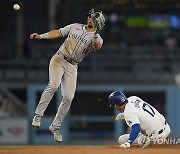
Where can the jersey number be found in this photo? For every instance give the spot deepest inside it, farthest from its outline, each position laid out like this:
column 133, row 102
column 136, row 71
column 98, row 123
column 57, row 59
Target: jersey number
column 146, row 107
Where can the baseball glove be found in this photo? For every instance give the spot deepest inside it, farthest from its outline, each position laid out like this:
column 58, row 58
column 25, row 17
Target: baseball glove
column 98, row 20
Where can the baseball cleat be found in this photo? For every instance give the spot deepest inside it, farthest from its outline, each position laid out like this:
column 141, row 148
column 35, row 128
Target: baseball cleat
column 55, row 131
column 36, row 121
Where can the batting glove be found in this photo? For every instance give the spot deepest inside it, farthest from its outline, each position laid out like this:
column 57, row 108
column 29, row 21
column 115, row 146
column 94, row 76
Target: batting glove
column 143, row 141
column 125, row 145
column 119, row 117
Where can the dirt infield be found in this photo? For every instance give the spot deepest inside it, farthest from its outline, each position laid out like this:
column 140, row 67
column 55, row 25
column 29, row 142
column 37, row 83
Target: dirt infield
column 160, row 149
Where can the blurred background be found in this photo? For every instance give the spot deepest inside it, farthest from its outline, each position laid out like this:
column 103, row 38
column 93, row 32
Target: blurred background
column 140, row 56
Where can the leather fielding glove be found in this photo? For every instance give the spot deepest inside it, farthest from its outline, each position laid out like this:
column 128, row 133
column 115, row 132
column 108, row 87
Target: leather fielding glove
column 98, row 21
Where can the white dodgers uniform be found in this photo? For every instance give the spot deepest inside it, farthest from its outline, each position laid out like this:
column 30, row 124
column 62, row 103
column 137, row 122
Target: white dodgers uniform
column 152, row 123
column 63, row 68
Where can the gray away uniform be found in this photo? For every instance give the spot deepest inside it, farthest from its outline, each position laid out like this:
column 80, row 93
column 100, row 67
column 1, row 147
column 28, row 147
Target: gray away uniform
column 63, row 68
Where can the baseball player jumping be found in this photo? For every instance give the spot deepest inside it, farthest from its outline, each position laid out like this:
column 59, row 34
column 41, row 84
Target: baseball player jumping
column 80, row 41
column 146, row 123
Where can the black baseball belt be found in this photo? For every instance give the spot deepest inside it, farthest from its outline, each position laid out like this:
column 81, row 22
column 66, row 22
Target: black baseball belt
column 69, row 60
column 163, row 128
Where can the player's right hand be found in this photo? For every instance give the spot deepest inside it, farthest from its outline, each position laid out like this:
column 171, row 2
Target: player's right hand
column 119, row 117
column 35, row 36
column 143, row 141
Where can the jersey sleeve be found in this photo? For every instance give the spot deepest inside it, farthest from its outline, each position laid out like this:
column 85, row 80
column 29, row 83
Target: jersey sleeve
column 131, row 118
column 65, row 30
column 100, row 39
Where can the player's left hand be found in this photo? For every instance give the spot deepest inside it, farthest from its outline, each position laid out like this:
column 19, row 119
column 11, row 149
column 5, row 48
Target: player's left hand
column 125, row 145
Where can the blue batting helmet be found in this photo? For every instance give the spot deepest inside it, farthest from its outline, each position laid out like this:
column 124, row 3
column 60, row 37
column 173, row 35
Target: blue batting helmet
column 118, row 98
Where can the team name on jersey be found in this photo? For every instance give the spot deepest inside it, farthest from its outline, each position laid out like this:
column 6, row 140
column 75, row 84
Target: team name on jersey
column 78, row 37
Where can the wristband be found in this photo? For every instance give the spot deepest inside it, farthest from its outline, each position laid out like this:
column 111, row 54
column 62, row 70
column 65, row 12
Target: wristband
column 44, row 36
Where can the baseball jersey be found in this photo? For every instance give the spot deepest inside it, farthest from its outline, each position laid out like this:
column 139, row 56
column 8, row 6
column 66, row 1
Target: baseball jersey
column 138, row 111
column 78, row 43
